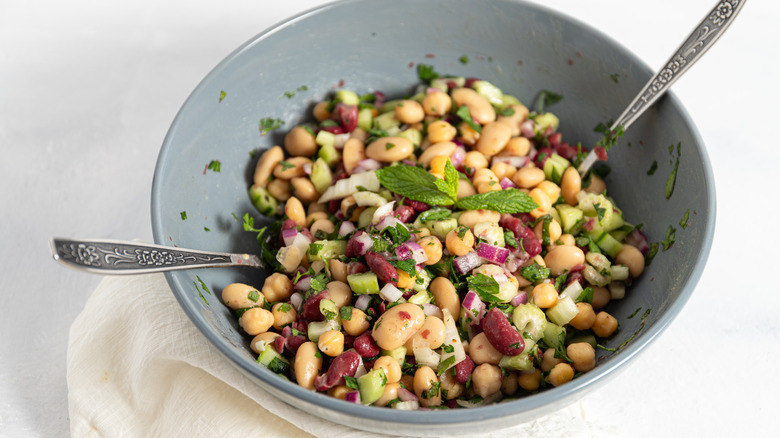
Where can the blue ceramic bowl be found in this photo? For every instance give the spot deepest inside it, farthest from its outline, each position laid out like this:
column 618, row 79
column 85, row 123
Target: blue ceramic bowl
column 367, row 45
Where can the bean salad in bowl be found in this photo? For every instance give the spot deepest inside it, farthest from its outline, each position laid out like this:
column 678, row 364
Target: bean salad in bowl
column 438, row 250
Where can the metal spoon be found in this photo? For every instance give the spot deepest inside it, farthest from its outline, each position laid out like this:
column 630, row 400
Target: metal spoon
column 701, row 39
column 123, row 257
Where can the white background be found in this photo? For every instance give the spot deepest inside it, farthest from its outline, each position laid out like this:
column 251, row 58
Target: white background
column 89, row 88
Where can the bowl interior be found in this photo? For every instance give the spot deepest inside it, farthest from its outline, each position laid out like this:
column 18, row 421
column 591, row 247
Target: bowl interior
column 368, row 45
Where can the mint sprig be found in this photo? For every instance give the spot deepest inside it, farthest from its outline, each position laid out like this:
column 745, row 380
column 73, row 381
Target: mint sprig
column 414, row 183
column 503, row 201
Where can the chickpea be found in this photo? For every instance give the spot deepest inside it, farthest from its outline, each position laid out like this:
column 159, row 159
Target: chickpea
column 516, row 147
column 290, row 168
column 317, row 207
column 549, row 360
column 267, row 338
column 480, row 109
column 256, row 320
column 604, row 325
column 542, row 200
column 279, row 189
column 307, row 365
column 440, row 149
column 475, row 160
column 582, row 355
column 409, row 111
column 633, row 258
column 468, row 135
column 528, row 177
column 451, row 388
column 338, row 270
column 407, row 382
column 284, row 314
column 299, row 142
column 509, row 384
column 503, row 170
column 471, row 218
column 339, row 292
column 265, row 165
column 584, row 318
column 437, row 103
column 424, row 380
column 440, row 131
column 486, row 380
column 518, row 116
column 391, row 367
column 445, row 295
column 321, row 112
column 431, row 245
column 324, row 225
column 304, row 190
column 494, row 138
column 560, row 374
column 389, row 149
column 277, row 287
column 353, row 152
column 553, row 230
column 316, row 216
column 465, row 188
column 356, row 324
column 545, row 295
column 339, row 391
column 460, row 241
column 431, row 332
column 331, row 343
column 240, row 296
column 294, row 210
column 482, row 176
column 530, row 381
column 571, row 184
column 552, row 189
column 601, row 297
column 567, row 239
column 397, row 325
column 390, row 393
column 482, row 351
column 596, row 185
column 563, row 258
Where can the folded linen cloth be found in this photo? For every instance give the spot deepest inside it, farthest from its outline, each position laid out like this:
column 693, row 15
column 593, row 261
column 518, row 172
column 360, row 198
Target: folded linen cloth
column 138, row 367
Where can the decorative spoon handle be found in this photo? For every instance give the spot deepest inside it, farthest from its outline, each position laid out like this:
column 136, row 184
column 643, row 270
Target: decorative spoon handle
column 122, row 257
column 697, row 43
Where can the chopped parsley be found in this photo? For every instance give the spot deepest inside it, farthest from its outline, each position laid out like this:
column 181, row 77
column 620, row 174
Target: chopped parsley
column 509, row 239
column 669, row 239
column 345, row 313
column 286, row 165
column 183, row 215
column 609, row 137
column 214, row 165
column 506, row 112
column 684, row 220
column 653, row 167
column 253, row 295
column 545, row 99
column 268, row 124
column 671, row 179
column 464, row 59
column 222, row 95
column 485, row 287
column 614, row 77
column 350, row 382
column 651, row 253
column 465, row 115
column 535, row 272
column 426, row 73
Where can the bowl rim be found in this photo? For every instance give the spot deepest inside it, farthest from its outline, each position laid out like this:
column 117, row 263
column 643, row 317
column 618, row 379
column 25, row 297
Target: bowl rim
column 481, row 414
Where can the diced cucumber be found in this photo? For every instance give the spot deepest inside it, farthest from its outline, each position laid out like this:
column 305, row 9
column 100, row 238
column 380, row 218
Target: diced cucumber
column 606, row 242
column 366, row 216
column 363, row 283
column 399, row 354
column 493, row 94
column 422, row 281
column 421, row 297
column 413, row 135
column 554, row 167
column 507, row 100
column 327, row 249
column 582, row 337
column 274, row 361
column 440, row 83
column 321, row 176
column 490, row 232
column 330, row 154
column 325, row 138
column 554, row 334
column 418, row 97
column 563, row 311
column 365, row 119
column 372, row 385
column 620, row 273
column 389, row 107
column 263, row 201
column 315, row 329
column 347, row 97
column 622, row 231
column 544, row 121
column 569, row 216
column 386, row 121
column 440, row 228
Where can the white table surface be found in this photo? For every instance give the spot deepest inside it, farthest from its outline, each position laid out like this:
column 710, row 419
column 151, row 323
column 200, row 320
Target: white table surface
column 88, row 89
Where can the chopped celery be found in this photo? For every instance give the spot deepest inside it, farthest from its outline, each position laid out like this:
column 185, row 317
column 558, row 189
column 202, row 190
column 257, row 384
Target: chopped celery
column 315, row 329
column 594, row 277
column 421, row 297
column 327, row 249
column 563, row 311
column 544, row 121
column 493, row 94
column 363, row 283
column 422, row 281
column 554, row 334
column 521, row 362
column 440, row 228
column 263, row 201
column 399, row 354
column 369, row 199
column 372, row 385
column 325, row 138
column 274, row 361
column 490, row 232
column 529, row 318
column 617, row 290
column 554, row 167
column 620, row 273
column 321, row 176
column 365, row 119
column 347, row 97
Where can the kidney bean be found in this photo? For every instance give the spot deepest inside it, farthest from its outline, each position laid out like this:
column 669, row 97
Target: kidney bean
column 501, row 334
column 311, row 307
column 463, row 369
column 365, row 345
column 356, row 268
column 347, row 115
column 531, row 244
column 279, row 343
column 345, row 364
column 404, row 213
column 417, row 206
column 355, row 247
column 291, row 341
column 382, row 268
column 288, row 224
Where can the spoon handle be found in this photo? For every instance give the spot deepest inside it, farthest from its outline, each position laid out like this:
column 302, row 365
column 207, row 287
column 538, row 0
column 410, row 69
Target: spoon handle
column 698, row 42
column 123, row 257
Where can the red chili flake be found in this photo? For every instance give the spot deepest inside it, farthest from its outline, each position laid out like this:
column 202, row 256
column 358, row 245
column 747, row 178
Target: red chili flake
column 205, row 169
column 404, row 315
column 579, row 54
column 430, row 55
column 411, row 64
column 571, row 62
column 341, row 83
column 425, row 333
column 519, row 62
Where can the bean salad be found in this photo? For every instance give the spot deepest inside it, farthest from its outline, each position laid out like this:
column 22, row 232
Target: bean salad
column 435, row 251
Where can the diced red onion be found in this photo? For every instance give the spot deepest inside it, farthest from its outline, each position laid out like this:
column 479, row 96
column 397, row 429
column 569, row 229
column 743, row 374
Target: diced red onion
column 457, row 157
column 362, row 301
column 473, row 306
column 364, row 243
column 512, row 160
column 527, row 129
column 390, row 293
column 519, row 299
column 288, row 236
column 387, row 221
column 296, row 299
column 637, row 239
column 352, row 397
column 306, row 168
column 507, row 183
column 369, row 164
column 465, row 263
column 489, row 400
column 345, row 228
column 383, row 212
column 304, row 283
column 430, row 90
column 432, row 310
column 341, row 139
column 411, row 250
column 405, row 395
column 492, row 253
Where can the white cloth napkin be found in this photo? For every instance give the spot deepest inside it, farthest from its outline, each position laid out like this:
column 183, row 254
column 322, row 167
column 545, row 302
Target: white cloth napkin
column 137, row 367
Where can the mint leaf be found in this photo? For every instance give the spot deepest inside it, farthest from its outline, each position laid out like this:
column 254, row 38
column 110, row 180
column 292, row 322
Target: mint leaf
column 414, row 183
column 449, row 185
column 465, row 115
column 503, row 201
column 434, row 214
column 485, row 287
column 546, row 98
column 426, row 73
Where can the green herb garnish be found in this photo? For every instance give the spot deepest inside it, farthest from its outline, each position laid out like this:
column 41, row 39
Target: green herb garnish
column 464, row 59
column 535, row 272
column 426, row 73
column 214, row 165
column 485, row 287
column 183, row 215
column 222, row 95
column 268, row 124
column 671, row 179
column 669, row 239
column 653, row 167
column 253, row 295
column 684, row 220
column 465, row 115
column 545, row 99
